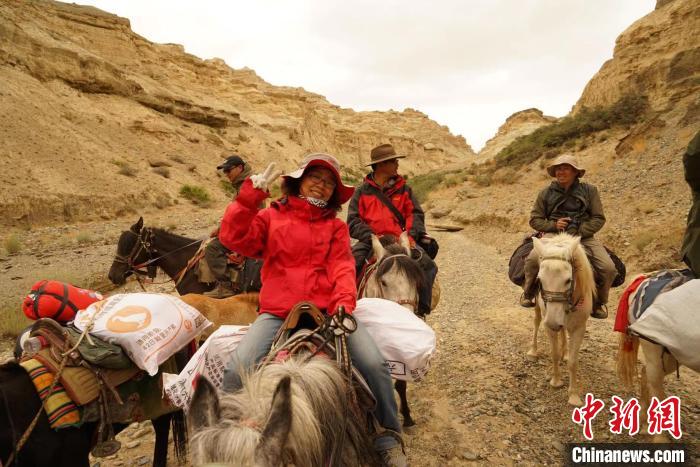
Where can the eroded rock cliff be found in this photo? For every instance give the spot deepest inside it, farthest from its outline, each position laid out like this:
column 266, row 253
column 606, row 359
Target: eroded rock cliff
column 96, row 120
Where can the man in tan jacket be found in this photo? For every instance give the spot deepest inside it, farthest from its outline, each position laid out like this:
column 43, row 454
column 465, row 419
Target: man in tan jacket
column 569, row 205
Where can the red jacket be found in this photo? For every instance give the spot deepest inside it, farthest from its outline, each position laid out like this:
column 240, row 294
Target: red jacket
column 305, row 251
column 367, row 214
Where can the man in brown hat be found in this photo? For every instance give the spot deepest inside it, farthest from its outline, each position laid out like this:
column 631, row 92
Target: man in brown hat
column 571, row 206
column 384, row 205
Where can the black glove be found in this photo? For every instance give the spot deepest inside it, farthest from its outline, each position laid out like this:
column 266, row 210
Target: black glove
column 430, row 245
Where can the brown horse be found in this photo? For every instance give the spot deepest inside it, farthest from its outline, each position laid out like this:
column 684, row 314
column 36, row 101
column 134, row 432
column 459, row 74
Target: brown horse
column 141, row 250
column 239, row 309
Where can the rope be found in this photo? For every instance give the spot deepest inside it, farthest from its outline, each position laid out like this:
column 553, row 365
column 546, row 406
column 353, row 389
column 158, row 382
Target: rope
column 64, row 361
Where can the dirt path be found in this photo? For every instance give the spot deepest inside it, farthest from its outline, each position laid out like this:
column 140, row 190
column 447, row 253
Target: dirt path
column 483, row 402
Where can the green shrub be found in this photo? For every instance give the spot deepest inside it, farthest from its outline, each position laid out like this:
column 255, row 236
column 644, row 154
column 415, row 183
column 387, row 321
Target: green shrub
column 13, row 320
column 566, row 132
column 423, row 184
column 196, row 194
column 83, row 238
column 483, row 179
column 126, row 169
column 226, row 187
column 12, row 244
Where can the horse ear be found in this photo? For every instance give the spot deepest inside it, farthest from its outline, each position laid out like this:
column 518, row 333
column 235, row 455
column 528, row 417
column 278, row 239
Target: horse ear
column 377, row 247
column 204, row 408
column 274, row 436
column 136, row 228
column 405, row 242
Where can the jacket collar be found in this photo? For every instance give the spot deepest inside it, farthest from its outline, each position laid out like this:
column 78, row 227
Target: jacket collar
column 393, row 184
column 301, row 208
column 559, row 189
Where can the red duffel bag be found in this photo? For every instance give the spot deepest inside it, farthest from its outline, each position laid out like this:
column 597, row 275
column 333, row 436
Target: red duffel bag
column 57, row 300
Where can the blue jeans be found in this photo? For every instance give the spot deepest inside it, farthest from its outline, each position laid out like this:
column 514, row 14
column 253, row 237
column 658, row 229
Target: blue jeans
column 363, row 351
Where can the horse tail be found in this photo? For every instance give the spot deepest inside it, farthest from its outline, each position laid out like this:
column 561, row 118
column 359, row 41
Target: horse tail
column 179, row 428
column 627, row 359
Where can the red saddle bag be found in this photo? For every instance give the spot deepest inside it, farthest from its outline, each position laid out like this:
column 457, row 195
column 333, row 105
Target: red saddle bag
column 59, row 301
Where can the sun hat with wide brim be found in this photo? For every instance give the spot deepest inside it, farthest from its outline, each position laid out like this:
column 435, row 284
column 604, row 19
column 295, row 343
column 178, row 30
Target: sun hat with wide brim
column 329, row 162
column 565, row 159
column 383, row 152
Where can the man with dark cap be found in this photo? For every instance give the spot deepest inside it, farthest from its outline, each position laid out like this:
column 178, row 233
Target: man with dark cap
column 384, row 205
column 571, row 206
column 217, row 255
column 690, row 250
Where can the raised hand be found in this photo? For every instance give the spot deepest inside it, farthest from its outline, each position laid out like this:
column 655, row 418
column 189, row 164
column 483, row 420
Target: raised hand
column 262, row 181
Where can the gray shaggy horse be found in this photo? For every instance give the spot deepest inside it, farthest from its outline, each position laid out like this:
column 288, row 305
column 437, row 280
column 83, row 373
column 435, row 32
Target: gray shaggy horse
column 295, row 412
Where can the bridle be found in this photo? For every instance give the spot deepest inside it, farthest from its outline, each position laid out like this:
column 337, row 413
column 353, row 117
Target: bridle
column 142, row 243
column 372, row 270
column 549, row 296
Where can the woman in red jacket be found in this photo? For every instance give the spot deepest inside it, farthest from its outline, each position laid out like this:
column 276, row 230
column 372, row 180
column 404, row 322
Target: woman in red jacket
column 306, row 257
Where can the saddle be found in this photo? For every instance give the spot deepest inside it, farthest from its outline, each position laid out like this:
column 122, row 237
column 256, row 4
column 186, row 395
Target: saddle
column 81, row 378
column 306, row 329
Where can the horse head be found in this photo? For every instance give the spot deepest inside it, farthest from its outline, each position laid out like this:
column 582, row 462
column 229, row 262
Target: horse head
column 396, row 276
column 566, row 280
column 294, row 412
column 132, row 250
column 253, row 447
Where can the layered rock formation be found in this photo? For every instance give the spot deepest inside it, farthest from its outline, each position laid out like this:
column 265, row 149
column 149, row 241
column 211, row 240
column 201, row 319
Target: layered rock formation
column 519, row 124
column 657, row 56
column 638, row 169
column 97, row 120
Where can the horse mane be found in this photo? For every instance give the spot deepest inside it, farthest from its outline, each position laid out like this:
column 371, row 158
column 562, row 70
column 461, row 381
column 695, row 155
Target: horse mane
column 320, row 417
column 170, row 236
column 583, row 270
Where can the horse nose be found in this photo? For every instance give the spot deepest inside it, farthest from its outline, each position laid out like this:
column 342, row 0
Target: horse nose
column 555, row 326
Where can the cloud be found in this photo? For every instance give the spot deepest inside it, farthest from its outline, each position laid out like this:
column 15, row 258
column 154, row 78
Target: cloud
column 467, row 64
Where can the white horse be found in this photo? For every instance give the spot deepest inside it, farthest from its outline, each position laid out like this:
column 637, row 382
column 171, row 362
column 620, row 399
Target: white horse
column 657, row 363
column 395, row 276
column 567, row 291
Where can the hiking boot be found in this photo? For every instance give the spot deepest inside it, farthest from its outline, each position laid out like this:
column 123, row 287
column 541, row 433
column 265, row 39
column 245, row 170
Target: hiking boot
column 394, row 457
column 600, row 311
column 526, row 302
column 222, row 290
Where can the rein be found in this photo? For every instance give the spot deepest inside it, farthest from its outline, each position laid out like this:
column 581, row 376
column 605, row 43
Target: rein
column 372, row 269
column 549, row 296
column 145, row 244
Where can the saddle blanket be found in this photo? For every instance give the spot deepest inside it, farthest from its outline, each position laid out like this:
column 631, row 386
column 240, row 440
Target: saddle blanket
column 672, row 321
column 60, row 410
column 209, row 361
column 404, row 340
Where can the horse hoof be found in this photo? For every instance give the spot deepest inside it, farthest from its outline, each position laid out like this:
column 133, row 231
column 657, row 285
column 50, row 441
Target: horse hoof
column 409, row 429
column 556, row 383
column 531, row 355
column 575, row 401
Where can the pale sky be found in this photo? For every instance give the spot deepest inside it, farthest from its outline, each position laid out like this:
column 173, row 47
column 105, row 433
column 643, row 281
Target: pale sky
column 468, row 64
